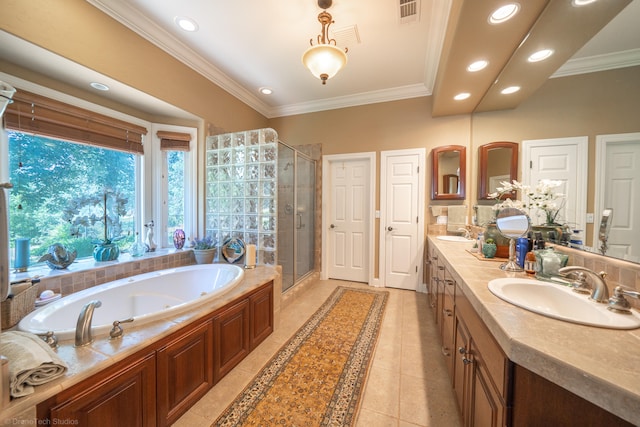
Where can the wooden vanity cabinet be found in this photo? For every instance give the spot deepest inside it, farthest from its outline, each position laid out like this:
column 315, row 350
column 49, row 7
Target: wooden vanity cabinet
column 482, row 369
column 478, row 367
column 490, row 389
column 122, row 395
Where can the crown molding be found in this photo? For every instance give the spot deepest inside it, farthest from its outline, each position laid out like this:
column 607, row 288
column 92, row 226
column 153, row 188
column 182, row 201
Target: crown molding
column 384, row 95
column 133, row 19
column 123, row 12
column 592, row 64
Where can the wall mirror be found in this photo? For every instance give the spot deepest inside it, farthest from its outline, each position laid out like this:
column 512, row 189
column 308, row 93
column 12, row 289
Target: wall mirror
column 449, row 167
column 498, row 161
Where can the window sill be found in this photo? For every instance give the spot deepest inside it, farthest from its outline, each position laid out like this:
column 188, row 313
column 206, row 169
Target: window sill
column 87, row 272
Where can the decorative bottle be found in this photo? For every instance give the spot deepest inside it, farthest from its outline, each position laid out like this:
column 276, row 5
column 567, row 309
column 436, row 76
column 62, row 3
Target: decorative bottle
column 138, row 248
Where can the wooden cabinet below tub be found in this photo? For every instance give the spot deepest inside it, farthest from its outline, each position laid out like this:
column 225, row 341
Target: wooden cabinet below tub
column 122, row 395
column 160, row 382
column 185, row 372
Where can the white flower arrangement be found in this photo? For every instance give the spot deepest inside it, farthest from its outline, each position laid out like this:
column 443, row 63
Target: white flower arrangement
column 541, row 198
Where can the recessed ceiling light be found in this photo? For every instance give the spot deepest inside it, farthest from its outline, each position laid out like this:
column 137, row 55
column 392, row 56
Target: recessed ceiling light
column 266, row 90
column 99, row 86
column 504, row 13
column 477, row 66
column 540, row 55
column 510, row 89
column 462, row 96
column 186, row 24
column 579, row 3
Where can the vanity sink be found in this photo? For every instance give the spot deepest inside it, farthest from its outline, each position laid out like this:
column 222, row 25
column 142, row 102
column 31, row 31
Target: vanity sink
column 454, row 239
column 560, row 302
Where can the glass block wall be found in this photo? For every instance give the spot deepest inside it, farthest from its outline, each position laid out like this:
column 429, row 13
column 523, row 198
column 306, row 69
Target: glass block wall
column 241, row 189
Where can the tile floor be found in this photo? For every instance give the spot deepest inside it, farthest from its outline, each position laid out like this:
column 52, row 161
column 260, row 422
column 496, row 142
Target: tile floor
column 407, row 386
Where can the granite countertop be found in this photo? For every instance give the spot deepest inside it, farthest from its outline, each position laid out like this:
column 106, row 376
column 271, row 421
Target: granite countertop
column 597, row 364
column 88, row 360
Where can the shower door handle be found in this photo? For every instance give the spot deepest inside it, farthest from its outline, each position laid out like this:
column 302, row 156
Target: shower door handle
column 300, row 224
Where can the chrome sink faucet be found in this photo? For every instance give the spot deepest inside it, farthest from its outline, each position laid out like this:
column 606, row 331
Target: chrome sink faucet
column 467, row 233
column 83, row 327
column 600, row 292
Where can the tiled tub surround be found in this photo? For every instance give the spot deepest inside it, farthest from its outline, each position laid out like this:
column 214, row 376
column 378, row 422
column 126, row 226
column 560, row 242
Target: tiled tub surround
column 87, row 273
column 86, row 361
column 599, row 365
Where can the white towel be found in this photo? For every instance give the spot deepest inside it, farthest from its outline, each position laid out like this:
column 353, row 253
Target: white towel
column 484, row 215
column 31, row 361
column 457, row 218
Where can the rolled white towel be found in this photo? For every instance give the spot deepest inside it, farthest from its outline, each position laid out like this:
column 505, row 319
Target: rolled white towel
column 31, row 362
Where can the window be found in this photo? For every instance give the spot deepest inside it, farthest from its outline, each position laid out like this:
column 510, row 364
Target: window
column 173, row 147
column 65, row 157
column 59, row 190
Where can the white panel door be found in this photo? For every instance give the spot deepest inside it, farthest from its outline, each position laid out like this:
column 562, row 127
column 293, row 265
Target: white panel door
column 620, row 190
column 560, row 159
column 349, row 224
column 402, row 233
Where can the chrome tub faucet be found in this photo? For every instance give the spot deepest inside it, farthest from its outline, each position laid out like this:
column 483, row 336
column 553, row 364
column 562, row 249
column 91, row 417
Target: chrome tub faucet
column 83, row 327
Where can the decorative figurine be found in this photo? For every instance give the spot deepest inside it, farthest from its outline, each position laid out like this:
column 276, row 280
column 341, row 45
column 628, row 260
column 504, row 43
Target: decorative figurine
column 58, row 257
column 150, row 242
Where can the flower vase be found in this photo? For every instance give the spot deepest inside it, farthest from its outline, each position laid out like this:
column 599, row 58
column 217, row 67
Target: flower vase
column 204, row 256
column 489, row 250
column 106, row 252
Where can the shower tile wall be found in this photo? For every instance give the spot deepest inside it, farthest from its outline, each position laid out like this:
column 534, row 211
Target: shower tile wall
column 242, row 189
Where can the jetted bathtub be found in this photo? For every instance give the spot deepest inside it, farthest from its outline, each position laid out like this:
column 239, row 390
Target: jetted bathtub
column 146, row 297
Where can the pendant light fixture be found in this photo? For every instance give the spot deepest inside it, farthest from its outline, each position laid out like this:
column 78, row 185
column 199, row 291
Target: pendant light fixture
column 325, row 59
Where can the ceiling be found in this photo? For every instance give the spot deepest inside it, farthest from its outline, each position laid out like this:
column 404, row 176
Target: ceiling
column 244, row 45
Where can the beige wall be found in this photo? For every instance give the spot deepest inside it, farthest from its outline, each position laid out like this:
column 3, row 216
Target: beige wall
column 78, row 31
column 589, row 104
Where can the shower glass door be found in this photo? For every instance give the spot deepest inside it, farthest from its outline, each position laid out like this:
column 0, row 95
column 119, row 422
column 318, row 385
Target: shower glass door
column 296, row 196
column 305, row 213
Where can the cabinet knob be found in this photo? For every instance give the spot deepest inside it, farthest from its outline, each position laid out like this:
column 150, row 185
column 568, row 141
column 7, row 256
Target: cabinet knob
column 466, row 361
column 447, row 312
column 445, row 351
column 449, row 282
column 462, row 350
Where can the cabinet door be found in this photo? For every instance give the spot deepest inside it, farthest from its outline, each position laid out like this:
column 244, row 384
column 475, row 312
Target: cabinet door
column 230, row 338
column 432, row 280
column 439, row 292
column 261, row 315
column 122, row 397
column 185, row 372
column 447, row 330
column 461, row 366
column 486, row 407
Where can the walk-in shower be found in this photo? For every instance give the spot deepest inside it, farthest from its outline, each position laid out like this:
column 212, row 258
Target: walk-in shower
column 296, row 214
column 262, row 191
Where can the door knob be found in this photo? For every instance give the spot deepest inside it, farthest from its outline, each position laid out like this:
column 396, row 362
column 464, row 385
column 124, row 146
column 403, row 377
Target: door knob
column 389, row 228
column 332, row 226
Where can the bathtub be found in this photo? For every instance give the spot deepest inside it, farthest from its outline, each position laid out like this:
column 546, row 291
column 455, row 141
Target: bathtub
column 146, row 297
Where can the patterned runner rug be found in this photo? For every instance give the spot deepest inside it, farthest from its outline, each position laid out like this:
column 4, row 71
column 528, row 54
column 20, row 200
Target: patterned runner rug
column 316, row 378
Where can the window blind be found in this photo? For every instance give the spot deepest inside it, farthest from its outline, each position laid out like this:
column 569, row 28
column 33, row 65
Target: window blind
column 173, row 141
column 37, row 114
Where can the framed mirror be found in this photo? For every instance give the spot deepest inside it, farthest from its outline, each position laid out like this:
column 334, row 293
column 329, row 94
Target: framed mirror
column 448, row 172
column 498, row 161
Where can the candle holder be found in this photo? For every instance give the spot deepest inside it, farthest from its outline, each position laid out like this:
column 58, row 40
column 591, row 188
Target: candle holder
column 21, row 260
